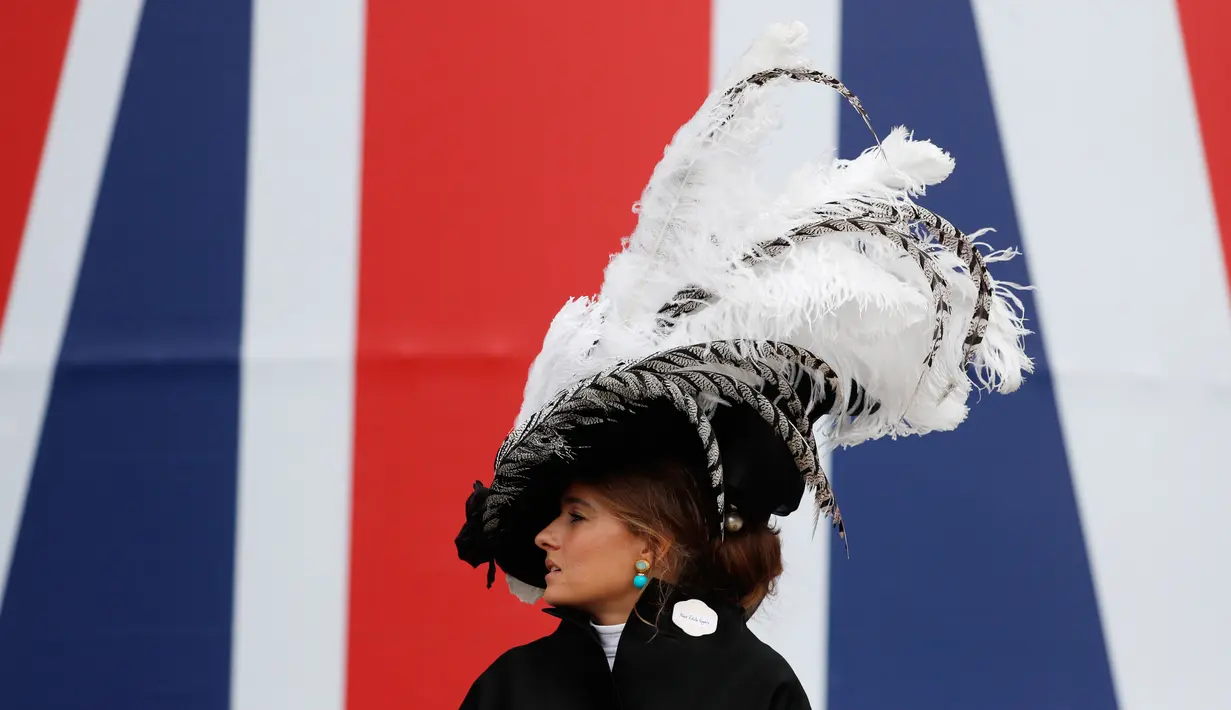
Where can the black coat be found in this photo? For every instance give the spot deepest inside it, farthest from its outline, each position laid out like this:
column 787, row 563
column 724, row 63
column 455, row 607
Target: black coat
column 655, row 669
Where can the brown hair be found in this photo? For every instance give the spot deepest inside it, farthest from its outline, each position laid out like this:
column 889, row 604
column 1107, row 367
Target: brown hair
column 661, row 499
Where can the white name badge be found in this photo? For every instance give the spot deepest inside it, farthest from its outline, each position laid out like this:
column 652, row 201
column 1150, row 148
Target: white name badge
column 695, row 618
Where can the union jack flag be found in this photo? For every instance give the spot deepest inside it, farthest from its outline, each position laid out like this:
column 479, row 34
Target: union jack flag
column 272, row 271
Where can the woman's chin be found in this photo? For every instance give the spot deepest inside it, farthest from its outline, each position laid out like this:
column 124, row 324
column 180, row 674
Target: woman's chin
column 558, row 594
column 554, row 596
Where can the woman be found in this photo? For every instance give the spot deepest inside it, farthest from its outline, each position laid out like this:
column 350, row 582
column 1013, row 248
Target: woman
column 669, row 418
column 646, row 599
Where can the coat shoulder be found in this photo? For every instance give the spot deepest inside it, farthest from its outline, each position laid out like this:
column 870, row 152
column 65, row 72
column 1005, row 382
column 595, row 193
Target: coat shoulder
column 764, row 657
column 787, row 693
column 519, row 656
column 493, row 686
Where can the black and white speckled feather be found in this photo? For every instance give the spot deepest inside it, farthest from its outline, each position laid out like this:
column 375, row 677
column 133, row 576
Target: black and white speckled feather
column 727, row 293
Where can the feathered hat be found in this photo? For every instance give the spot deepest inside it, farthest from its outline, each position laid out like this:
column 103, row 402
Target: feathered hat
column 839, row 311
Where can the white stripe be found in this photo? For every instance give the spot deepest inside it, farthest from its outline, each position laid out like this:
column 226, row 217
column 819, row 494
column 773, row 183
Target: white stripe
column 1095, row 107
column 87, row 98
column 795, row 621
column 292, row 550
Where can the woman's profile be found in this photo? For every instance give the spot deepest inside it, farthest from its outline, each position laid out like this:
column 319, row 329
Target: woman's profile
column 630, row 565
column 668, row 420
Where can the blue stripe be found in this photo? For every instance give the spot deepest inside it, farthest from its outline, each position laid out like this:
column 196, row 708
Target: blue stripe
column 968, row 586
column 120, row 591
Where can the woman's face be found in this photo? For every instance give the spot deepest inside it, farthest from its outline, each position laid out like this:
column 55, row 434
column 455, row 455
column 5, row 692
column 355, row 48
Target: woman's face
column 592, row 557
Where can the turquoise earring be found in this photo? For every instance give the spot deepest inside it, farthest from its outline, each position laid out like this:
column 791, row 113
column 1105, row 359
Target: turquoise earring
column 641, row 580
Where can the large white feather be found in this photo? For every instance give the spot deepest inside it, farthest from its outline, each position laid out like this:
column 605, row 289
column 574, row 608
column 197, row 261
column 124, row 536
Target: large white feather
column 854, row 299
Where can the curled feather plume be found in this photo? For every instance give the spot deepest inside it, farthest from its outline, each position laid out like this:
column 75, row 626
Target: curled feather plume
column 844, row 264
column 839, row 310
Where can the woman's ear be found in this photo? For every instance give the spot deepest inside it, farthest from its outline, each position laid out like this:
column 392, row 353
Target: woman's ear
column 658, row 552
column 647, row 551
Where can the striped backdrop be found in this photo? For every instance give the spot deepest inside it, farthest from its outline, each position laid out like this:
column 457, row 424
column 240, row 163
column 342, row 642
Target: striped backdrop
column 272, row 272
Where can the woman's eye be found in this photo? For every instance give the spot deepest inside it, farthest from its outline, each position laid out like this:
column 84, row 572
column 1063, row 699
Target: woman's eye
column 575, row 518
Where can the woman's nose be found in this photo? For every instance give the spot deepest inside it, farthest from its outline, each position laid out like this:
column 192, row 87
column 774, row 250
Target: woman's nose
column 546, row 539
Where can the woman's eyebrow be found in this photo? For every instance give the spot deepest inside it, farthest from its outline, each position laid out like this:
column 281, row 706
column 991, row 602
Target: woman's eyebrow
column 577, row 501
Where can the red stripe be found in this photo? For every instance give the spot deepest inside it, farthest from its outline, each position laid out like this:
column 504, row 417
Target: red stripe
column 1205, row 24
column 33, row 42
column 504, row 146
